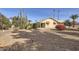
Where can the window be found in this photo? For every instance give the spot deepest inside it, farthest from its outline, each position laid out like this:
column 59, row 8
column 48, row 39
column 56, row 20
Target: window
column 54, row 23
column 47, row 22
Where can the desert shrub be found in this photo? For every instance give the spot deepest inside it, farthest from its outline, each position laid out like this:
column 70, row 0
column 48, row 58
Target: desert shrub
column 60, row 27
column 15, row 30
column 34, row 25
column 29, row 26
column 78, row 29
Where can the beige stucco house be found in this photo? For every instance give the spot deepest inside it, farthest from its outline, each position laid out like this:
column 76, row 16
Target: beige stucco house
column 49, row 23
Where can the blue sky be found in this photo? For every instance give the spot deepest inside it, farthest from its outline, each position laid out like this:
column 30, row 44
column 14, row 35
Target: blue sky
column 36, row 14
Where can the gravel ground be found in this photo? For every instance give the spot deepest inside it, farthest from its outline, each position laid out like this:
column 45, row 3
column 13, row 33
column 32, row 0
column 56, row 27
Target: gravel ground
column 71, row 33
column 42, row 41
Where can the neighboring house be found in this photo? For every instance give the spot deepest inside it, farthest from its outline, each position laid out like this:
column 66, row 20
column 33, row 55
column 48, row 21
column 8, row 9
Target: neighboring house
column 49, row 23
column 76, row 26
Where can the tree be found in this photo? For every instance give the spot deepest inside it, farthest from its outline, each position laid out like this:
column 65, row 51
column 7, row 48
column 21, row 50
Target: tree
column 20, row 22
column 67, row 23
column 15, row 21
column 74, row 17
column 4, row 22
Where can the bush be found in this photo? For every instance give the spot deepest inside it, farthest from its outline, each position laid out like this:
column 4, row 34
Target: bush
column 60, row 27
column 35, row 26
column 29, row 26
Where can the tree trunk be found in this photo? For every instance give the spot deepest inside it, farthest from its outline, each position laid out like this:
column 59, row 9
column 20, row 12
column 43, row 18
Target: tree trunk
column 73, row 23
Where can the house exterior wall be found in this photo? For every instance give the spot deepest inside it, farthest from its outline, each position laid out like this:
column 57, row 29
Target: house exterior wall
column 51, row 23
column 76, row 27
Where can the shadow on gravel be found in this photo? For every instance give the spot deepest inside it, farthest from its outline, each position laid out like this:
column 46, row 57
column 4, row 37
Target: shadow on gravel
column 27, row 46
column 42, row 41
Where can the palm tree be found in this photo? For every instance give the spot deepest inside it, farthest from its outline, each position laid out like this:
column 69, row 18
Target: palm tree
column 67, row 23
column 74, row 17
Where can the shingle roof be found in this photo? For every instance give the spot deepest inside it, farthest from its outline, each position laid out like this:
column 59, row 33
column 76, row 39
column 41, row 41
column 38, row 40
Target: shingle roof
column 51, row 19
